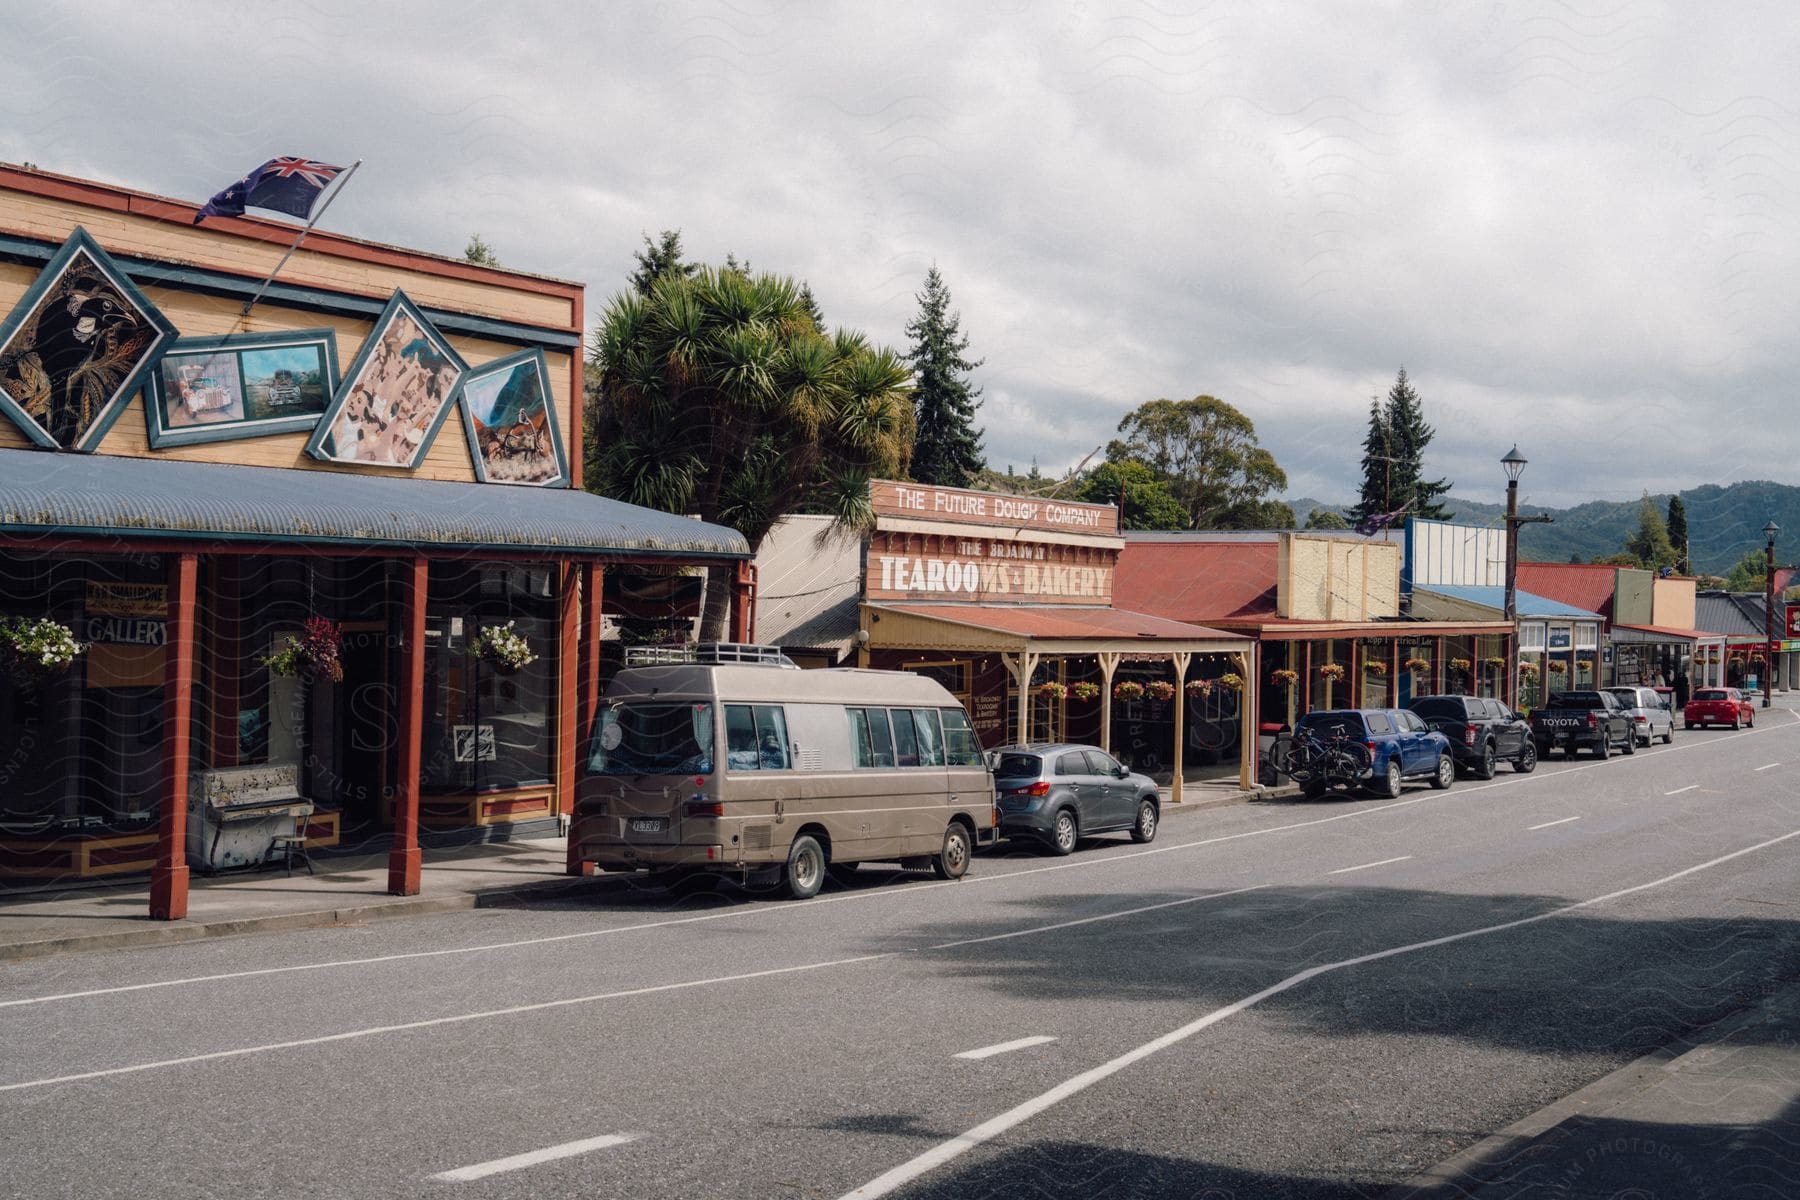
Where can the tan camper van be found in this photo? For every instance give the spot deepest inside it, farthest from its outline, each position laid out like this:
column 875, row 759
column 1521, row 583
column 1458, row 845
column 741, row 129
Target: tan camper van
column 739, row 763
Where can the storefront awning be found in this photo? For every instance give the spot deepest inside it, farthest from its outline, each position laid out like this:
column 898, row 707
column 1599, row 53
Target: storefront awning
column 46, row 495
column 1660, row 634
column 1051, row 629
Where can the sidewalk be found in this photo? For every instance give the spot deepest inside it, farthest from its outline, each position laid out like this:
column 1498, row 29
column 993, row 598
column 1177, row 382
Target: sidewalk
column 1714, row 1114
column 349, row 888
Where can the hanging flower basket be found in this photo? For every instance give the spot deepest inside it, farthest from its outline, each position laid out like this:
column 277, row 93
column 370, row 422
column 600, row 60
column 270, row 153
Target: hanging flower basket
column 1198, row 689
column 1417, row 664
column 33, row 648
column 1128, row 689
column 1459, row 664
column 1736, row 660
column 1332, row 671
column 1053, row 690
column 1282, row 677
column 1494, row 664
column 1528, row 670
column 1756, row 660
column 1374, row 666
column 314, row 655
column 1231, row 681
column 503, row 647
column 1558, row 667
column 1584, row 664
column 1085, row 691
column 1159, row 689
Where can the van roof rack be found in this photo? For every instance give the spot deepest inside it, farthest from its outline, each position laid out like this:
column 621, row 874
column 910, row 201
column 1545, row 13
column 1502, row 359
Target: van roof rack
column 708, row 654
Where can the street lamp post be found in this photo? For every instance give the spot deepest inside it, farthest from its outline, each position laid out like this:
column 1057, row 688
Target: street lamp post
column 1768, row 670
column 1514, row 465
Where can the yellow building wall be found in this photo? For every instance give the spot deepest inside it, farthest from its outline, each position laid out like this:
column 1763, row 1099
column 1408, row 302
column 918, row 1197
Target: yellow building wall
column 196, row 314
column 1672, row 604
column 1337, row 579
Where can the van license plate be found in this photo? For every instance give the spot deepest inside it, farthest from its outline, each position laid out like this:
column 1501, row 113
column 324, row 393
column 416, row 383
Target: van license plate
column 648, row 825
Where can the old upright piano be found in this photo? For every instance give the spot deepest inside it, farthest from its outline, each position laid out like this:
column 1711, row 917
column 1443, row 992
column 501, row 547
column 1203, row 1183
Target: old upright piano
column 235, row 813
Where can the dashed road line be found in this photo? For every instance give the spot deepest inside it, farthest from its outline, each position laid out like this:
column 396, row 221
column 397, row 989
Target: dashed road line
column 1023, row 1043
column 532, row 1158
column 1767, row 767
column 1548, row 824
column 1384, row 862
column 1690, row 787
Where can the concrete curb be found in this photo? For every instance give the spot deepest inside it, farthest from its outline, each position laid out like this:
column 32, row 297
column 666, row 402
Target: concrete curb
column 178, row 933
column 1461, row 1176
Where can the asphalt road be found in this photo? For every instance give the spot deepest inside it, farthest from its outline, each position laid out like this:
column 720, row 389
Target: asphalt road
column 1274, row 999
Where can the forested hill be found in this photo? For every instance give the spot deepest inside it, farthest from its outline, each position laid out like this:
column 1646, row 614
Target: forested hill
column 1723, row 523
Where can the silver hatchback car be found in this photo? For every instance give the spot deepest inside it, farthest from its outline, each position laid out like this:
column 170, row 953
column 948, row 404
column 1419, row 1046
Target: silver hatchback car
column 1057, row 793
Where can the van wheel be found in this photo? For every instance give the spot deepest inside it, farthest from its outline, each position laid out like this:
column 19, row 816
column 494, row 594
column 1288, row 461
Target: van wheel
column 805, row 868
column 1065, row 833
column 953, row 860
column 1144, row 830
column 1669, row 737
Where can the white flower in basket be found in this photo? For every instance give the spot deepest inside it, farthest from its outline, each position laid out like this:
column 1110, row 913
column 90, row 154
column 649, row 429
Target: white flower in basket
column 32, row 647
column 503, row 647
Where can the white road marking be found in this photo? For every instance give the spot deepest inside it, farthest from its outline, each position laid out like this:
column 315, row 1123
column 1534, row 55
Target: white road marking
column 1005, row 1047
column 1690, row 787
column 624, row 994
column 1384, row 862
column 1769, row 767
column 534, row 1157
column 944, row 1152
column 898, row 894
column 1548, row 824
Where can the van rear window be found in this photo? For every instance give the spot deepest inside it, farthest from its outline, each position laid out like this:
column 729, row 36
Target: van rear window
column 653, row 739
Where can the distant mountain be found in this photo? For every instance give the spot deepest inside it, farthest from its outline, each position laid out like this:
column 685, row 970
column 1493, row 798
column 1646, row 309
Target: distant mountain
column 1723, row 523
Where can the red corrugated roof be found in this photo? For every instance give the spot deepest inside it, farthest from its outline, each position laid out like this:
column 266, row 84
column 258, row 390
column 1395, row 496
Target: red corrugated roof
column 1063, row 621
column 1198, row 581
column 1585, row 585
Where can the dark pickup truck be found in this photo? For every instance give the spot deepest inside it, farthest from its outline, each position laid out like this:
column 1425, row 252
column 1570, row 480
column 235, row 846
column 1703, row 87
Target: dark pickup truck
column 1575, row 719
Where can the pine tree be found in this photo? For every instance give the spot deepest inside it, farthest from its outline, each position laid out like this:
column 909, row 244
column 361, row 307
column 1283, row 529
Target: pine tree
column 479, row 252
column 1650, row 543
column 659, row 258
column 1678, row 536
column 1408, row 435
column 811, row 304
column 946, row 446
column 1377, row 466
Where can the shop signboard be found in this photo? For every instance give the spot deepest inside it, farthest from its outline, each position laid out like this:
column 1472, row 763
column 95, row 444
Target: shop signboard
column 1559, row 639
column 990, row 570
column 1793, row 620
column 927, row 502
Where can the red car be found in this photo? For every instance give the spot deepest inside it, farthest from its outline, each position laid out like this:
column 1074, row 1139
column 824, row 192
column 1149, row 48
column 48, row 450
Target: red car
column 1718, row 706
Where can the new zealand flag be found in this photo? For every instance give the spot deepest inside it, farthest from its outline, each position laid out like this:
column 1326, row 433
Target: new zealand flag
column 289, row 185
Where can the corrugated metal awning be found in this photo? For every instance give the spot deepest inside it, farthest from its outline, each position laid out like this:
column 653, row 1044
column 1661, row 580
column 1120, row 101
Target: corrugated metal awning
column 1051, row 629
column 45, row 495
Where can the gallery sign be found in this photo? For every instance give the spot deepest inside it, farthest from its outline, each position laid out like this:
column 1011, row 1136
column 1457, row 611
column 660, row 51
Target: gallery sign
column 927, row 502
column 1793, row 620
column 993, row 570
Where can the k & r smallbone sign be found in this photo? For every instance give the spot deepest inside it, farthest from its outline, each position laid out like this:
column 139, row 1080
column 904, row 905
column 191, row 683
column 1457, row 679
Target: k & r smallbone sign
column 998, row 560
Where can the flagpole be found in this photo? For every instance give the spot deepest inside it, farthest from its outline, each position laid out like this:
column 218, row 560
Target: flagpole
column 311, row 221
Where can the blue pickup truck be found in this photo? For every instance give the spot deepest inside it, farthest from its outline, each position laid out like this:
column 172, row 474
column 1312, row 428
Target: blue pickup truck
column 1394, row 745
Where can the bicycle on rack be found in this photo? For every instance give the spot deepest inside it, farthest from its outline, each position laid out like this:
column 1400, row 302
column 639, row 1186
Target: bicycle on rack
column 1320, row 761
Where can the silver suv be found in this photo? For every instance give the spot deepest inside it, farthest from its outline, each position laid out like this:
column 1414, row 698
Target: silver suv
column 1056, row 793
column 1651, row 716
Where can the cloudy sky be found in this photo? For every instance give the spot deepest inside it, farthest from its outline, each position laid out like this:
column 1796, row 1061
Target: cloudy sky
column 1573, row 222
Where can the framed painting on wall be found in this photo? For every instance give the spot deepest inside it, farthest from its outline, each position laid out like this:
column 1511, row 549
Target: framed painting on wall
column 390, row 403
column 510, row 418
column 76, row 347
column 241, row 386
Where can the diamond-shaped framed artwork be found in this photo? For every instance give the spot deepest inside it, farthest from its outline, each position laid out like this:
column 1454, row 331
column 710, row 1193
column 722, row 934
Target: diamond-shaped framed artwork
column 509, row 415
column 391, row 402
column 76, row 347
